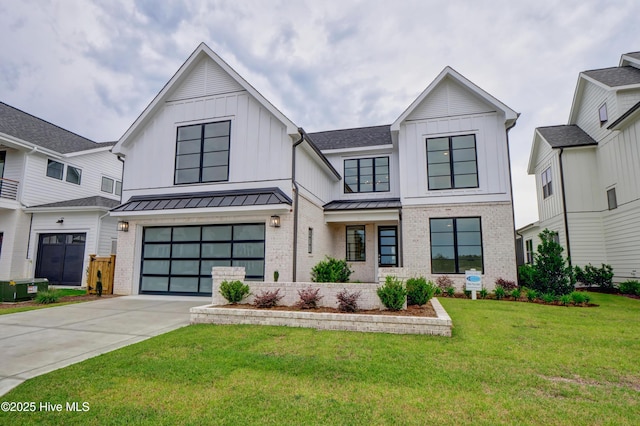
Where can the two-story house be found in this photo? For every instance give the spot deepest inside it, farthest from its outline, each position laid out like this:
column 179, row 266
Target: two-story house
column 56, row 190
column 215, row 175
column 587, row 175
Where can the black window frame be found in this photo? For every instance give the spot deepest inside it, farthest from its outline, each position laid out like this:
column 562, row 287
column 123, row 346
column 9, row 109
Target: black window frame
column 456, row 246
column 310, row 241
column 528, row 247
column 201, row 154
column 547, row 183
column 55, row 163
column 452, row 163
column 79, row 173
column 612, row 198
column 375, row 183
column 363, row 250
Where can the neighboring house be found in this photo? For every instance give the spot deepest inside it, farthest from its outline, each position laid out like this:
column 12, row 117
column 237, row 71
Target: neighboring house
column 56, row 190
column 588, row 175
column 215, row 175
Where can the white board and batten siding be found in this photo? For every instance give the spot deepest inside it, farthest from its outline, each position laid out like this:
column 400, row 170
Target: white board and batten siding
column 551, row 206
column 593, row 96
column 314, row 182
column 260, row 148
column 583, row 188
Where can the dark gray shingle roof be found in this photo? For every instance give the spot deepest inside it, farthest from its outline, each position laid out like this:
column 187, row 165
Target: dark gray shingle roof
column 389, row 203
column 616, row 76
column 566, row 136
column 352, row 138
column 95, row 201
column 242, row 198
column 32, row 129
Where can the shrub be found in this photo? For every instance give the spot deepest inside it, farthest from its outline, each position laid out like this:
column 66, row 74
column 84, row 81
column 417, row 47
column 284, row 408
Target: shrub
column 309, row 298
column 516, row 293
column 526, row 275
column 552, row 275
column 444, row 282
column 507, row 285
column 438, row 291
column 590, row 276
column 531, row 295
column 451, row 291
column 47, row 297
column 331, row 270
column 587, row 298
column 348, row 302
column 630, row 287
column 234, row 291
column 267, row 299
column 577, row 297
column 499, row 293
column 392, row 294
column 548, row 297
column 483, row 293
column 419, row 291
column 565, row 299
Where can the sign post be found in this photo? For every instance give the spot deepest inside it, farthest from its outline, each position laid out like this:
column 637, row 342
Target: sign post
column 473, row 281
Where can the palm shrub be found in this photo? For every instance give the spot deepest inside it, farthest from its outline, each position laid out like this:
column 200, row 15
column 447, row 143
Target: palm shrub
column 483, row 293
column 552, row 275
column 565, row 299
column 392, row 294
column 515, row 293
column 419, row 291
column 234, row 291
column 331, row 270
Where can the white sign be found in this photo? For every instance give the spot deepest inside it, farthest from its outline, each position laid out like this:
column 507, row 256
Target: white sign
column 32, row 289
column 473, row 280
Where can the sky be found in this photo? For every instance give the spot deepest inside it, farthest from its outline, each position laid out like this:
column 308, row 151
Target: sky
column 91, row 67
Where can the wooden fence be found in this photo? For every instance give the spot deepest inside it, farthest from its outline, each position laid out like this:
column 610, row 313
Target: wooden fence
column 107, row 266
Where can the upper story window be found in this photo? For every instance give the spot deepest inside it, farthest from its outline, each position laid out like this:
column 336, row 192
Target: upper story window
column 202, row 153
column 107, row 185
column 74, row 175
column 602, row 113
column 366, row 175
column 547, row 187
column 612, row 200
column 452, row 162
column 55, row 169
column 118, row 187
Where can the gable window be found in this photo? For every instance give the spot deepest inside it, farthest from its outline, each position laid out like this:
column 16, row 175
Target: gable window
column 612, row 200
column 456, row 245
column 202, row 153
column 529, row 251
column 310, row 241
column 74, row 175
column 355, row 243
column 55, row 169
column 547, row 188
column 452, row 162
column 602, row 113
column 366, row 175
column 107, row 185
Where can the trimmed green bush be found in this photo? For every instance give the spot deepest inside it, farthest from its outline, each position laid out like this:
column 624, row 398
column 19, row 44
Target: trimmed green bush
column 591, row 275
column 531, row 295
column 331, row 270
column 392, row 294
column 630, row 287
column 234, row 291
column 516, row 293
column 47, row 297
column 565, row 299
column 551, row 273
column 548, row 297
column 577, row 297
column 419, row 291
column 499, row 293
column 483, row 293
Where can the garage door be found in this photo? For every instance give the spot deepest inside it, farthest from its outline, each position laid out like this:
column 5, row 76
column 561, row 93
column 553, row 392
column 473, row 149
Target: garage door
column 60, row 258
column 178, row 260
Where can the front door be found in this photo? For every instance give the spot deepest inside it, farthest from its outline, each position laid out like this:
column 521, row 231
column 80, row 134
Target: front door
column 387, row 246
column 60, row 258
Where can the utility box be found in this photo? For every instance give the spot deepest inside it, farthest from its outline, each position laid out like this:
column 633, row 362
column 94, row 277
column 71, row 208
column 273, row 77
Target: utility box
column 19, row 290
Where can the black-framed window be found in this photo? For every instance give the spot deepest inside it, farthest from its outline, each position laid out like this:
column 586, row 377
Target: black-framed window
column 55, row 169
column 547, row 187
column 603, row 114
column 356, row 243
column 106, row 185
column 529, row 251
column 179, row 259
column 202, row 153
column 74, row 175
column 366, row 175
column 310, row 241
column 456, row 245
column 612, row 199
column 452, row 162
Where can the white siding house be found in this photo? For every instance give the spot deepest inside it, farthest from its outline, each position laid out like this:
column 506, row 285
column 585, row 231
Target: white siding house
column 214, row 175
column 587, row 173
column 56, row 190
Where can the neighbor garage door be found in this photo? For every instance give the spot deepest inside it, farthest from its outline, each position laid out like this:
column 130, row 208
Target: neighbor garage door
column 178, row 260
column 60, row 258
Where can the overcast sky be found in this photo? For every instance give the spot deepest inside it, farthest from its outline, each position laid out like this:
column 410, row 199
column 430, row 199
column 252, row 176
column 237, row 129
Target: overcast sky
column 93, row 66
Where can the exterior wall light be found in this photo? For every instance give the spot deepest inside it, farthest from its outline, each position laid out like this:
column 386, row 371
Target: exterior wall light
column 275, row 221
column 123, row 226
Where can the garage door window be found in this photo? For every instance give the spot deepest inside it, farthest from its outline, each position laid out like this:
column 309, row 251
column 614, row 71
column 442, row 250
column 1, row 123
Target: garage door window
column 179, row 259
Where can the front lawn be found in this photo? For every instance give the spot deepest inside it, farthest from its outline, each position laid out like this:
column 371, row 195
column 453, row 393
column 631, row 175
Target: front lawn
column 507, row 363
column 67, row 295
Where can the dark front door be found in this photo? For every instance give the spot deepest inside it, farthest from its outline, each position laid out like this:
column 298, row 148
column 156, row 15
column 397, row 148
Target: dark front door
column 387, row 246
column 60, row 258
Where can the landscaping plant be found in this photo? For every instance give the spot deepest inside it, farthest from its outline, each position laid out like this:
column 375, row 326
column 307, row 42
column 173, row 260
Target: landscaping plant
column 483, row 293
column 234, row 291
column 593, row 276
column 419, row 291
column 267, row 299
column 451, row 291
column 531, row 295
column 548, row 297
column 577, row 297
column 526, row 274
column 565, row 299
column 392, row 294
column 47, row 297
column 499, row 293
column 331, row 270
column 551, row 273
column 309, row 298
column 348, row 301
column 507, row 285
column 516, row 293
column 630, row 287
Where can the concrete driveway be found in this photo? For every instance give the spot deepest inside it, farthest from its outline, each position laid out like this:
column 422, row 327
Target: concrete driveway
column 36, row 342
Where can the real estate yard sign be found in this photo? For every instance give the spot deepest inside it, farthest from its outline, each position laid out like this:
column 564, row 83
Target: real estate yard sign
column 473, row 281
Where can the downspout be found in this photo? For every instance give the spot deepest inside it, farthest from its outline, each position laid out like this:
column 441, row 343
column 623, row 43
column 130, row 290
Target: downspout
column 513, row 212
column 564, row 210
column 122, row 176
column 295, row 201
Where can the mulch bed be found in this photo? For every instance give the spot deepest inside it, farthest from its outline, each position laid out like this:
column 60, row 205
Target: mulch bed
column 411, row 311
column 85, row 298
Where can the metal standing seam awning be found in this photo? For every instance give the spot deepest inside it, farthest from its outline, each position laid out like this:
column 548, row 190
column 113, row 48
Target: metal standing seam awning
column 268, row 199
column 343, row 211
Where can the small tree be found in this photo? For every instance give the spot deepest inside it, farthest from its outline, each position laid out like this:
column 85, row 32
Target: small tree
column 552, row 275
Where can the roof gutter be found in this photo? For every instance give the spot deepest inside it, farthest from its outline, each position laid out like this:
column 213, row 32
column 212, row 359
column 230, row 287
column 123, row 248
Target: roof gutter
column 296, row 198
column 564, row 210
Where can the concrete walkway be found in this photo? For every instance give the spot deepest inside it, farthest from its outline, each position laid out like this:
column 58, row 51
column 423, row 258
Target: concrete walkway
column 37, row 342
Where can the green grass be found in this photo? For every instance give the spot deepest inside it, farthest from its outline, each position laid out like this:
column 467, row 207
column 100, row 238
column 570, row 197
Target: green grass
column 507, row 363
column 63, row 292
